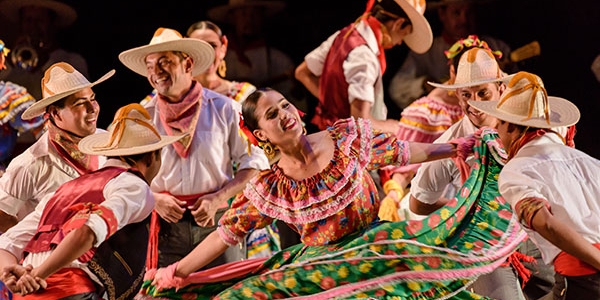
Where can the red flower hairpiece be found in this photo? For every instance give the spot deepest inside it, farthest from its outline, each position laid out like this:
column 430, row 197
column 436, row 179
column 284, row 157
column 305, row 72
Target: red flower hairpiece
column 246, row 134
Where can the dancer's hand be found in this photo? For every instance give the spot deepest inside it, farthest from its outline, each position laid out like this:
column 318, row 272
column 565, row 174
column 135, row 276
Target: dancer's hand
column 168, row 207
column 205, row 209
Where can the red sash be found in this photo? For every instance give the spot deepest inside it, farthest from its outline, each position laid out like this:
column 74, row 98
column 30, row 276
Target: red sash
column 65, row 282
column 568, row 265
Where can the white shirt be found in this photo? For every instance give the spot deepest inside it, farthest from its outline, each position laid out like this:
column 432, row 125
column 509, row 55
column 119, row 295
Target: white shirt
column 127, row 196
column 568, row 178
column 441, row 178
column 361, row 70
column 32, row 175
column 216, row 145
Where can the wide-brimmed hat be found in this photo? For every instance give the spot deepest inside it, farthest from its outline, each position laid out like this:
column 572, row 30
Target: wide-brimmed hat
column 130, row 133
column 421, row 37
column 65, row 14
column 476, row 66
column 166, row 39
column 59, row 81
column 525, row 102
column 222, row 13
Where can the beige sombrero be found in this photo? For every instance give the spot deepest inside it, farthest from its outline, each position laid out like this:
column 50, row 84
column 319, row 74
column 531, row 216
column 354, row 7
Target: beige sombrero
column 221, row 13
column 525, row 102
column 421, row 37
column 476, row 66
column 60, row 81
column 66, row 15
column 165, row 39
column 130, row 133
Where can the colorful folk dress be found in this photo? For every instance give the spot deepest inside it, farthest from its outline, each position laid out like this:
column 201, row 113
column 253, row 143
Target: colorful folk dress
column 346, row 252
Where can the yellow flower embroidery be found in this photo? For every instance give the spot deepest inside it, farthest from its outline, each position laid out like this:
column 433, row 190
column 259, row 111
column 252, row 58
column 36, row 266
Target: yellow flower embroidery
column 290, row 283
column 315, row 276
column 365, row 267
column 397, row 234
column 247, row 292
column 426, row 249
column 444, row 213
column 376, row 248
column 419, row 268
column 482, row 225
column 494, row 204
column 468, row 245
column 343, row 272
column 270, row 286
column 413, row 285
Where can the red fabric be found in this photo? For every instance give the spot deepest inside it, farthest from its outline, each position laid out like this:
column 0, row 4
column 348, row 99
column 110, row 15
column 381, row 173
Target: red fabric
column 570, row 136
column 333, row 92
column 182, row 117
column 152, row 253
column 376, row 27
column 65, row 144
column 216, row 274
column 63, row 283
column 86, row 189
column 568, row 265
column 515, row 260
column 84, row 211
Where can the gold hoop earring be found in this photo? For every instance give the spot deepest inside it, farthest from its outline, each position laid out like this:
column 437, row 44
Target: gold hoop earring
column 304, row 130
column 268, row 148
column 222, row 69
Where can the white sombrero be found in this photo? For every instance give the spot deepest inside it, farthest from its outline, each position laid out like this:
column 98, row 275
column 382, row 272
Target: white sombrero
column 476, row 66
column 421, row 37
column 130, row 133
column 60, row 81
column 222, row 13
column 66, row 15
column 166, row 39
column 525, row 102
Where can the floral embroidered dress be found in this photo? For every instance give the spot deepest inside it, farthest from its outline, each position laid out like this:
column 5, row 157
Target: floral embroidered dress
column 346, row 252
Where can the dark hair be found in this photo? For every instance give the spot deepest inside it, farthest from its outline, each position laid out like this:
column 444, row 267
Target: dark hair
column 204, row 25
column 249, row 108
column 135, row 158
column 60, row 104
column 388, row 10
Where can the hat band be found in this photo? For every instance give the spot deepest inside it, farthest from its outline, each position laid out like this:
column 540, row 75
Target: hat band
column 533, row 85
column 119, row 125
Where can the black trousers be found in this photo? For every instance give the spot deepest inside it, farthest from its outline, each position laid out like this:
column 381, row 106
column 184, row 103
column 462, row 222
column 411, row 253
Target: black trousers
column 176, row 240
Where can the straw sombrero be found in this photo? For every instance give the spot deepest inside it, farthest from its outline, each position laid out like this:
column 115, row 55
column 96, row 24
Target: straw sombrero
column 166, row 39
column 130, row 133
column 221, row 13
column 59, row 81
column 421, row 37
column 476, row 66
column 525, row 102
column 66, row 15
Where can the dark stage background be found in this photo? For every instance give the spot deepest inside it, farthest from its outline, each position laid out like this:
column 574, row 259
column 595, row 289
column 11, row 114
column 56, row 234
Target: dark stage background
column 568, row 32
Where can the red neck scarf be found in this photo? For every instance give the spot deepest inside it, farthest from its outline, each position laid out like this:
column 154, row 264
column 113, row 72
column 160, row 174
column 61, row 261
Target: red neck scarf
column 376, row 26
column 65, row 143
column 530, row 135
column 181, row 117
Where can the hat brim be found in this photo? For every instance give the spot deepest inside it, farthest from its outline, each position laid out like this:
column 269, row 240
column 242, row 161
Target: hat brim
column 39, row 107
column 562, row 113
column 221, row 13
column 421, row 37
column 469, row 84
column 66, row 14
column 92, row 144
column 201, row 52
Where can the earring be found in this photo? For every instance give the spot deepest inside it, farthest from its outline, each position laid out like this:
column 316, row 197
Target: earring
column 304, row 130
column 268, row 148
column 222, row 69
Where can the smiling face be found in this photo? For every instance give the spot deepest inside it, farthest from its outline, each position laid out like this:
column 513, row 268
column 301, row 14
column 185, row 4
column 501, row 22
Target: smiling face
column 278, row 119
column 79, row 114
column 169, row 74
column 484, row 92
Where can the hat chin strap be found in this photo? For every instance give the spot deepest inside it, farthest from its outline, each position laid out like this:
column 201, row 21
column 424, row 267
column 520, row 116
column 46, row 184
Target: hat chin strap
column 120, row 122
column 533, row 85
